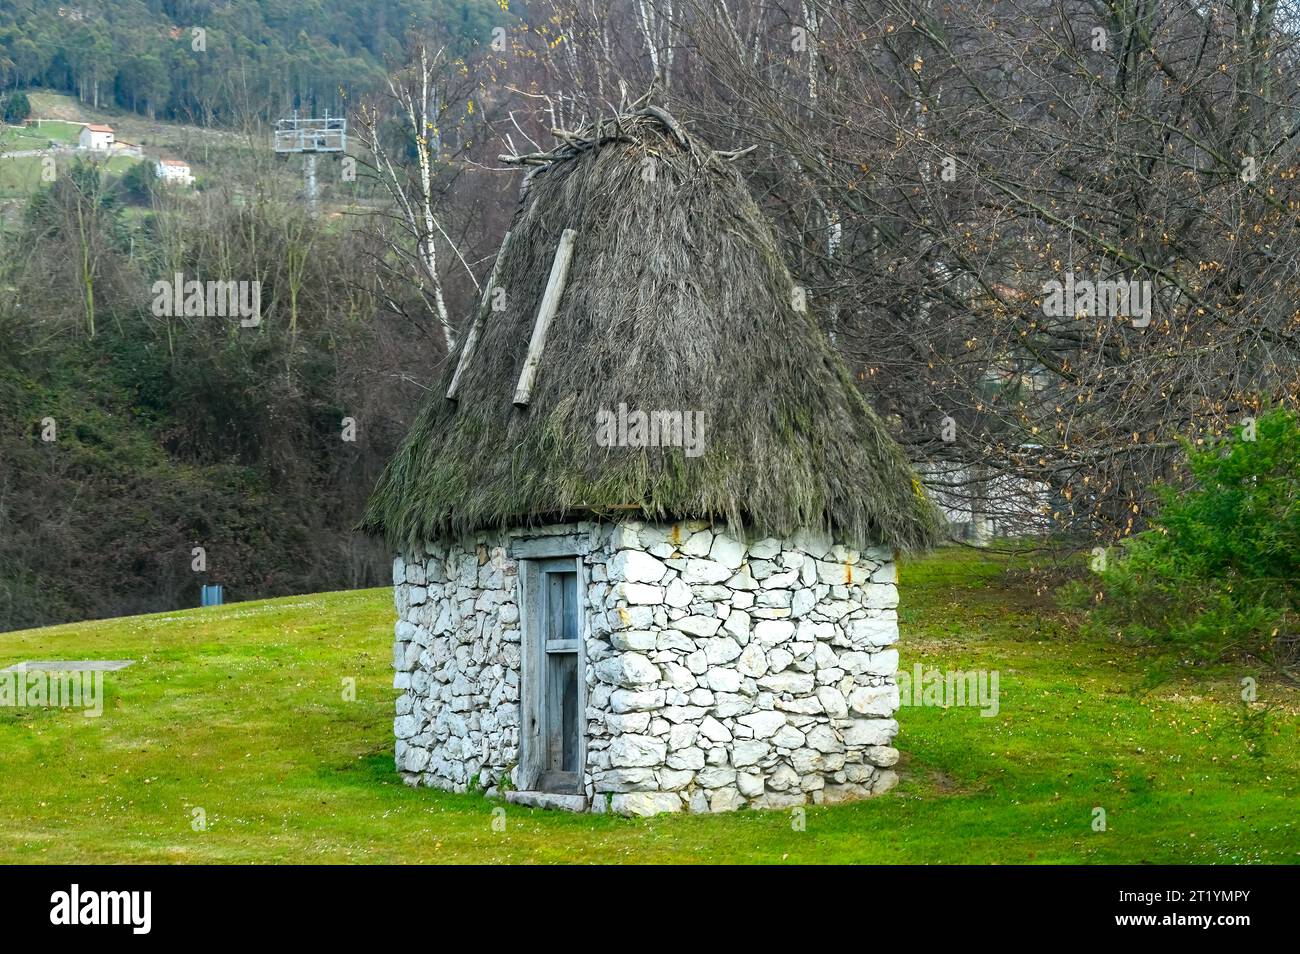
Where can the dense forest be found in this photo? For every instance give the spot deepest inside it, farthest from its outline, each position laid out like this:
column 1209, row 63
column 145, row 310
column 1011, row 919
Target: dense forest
column 256, row 58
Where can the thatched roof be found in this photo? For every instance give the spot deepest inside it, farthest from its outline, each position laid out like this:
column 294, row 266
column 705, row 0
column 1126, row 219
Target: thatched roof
column 676, row 299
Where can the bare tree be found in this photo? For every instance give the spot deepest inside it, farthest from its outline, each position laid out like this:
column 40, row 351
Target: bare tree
column 978, row 158
column 407, row 167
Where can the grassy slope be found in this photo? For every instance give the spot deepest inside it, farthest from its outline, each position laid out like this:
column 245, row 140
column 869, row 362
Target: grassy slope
column 155, row 135
column 62, row 116
column 21, row 176
column 38, row 136
column 239, row 711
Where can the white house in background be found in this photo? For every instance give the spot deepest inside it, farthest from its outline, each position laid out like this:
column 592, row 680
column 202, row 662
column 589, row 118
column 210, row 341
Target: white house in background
column 173, row 171
column 96, row 136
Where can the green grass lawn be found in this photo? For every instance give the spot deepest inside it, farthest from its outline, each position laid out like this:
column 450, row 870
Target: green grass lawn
column 21, row 176
column 239, row 711
column 56, row 130
column 39, row 135
column 17, row 137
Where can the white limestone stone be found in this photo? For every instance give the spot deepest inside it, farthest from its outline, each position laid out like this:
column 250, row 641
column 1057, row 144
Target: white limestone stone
column 678, row 594
column 630, row 749
column 867, row 732
column 778, row 660
column 824, row 739
column 802, row 603
column 635, row 640
column 637, row 566
column 752, row 661
column 628, row 669
column 626, row 700
column 697, row 663
column 626, row 536
column 682, row 736
column 797, row 683
column 698, row 544
column 722, row 680
column 726, row 551
column 721, row 650
column 644, row 594
column 773, row 632
column 726, row 800
column 833, row 702
column 788, row 737
column 749, row 784
column 763, row 724
column 874, row 700
column 872, row 632
column 691, row 758
column 783, row 580
column 698, row 626
column 749, row 752
column 627, row 721
column 704, row 571
column 714, row 730
column 738, row 626
column 880, row 596
column 881, row 755
column 672, row 780
column 645, row 803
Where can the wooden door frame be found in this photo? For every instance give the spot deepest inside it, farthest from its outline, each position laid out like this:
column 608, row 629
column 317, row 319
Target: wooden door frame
column 532, row 553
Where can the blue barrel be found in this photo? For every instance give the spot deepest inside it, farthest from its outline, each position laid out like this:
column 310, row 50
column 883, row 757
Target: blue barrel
column 212, row 595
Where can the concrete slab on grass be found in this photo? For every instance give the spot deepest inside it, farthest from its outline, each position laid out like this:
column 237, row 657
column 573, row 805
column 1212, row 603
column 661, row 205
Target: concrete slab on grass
column 69, row 665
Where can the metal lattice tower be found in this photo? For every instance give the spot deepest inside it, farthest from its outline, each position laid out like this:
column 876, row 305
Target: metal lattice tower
column 311, row 137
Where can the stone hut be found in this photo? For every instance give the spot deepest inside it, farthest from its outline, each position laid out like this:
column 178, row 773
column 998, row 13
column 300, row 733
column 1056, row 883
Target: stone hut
column 647, row 523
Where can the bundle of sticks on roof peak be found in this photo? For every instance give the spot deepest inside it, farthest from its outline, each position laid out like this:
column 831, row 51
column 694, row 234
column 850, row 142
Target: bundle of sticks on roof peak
column 617, row 129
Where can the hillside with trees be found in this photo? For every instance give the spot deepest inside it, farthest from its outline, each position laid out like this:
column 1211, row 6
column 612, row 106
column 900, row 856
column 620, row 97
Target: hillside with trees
column 143, row 455
column 253, row 58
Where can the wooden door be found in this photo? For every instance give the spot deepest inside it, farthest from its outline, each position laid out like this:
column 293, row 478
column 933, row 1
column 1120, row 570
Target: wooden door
column 552, row 698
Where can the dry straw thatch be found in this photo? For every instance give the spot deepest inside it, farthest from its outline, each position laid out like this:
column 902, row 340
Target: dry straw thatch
column 676, row 299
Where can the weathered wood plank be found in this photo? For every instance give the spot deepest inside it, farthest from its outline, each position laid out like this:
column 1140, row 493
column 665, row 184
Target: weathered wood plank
column 562, row 545
column 550, row 304
column 530, row 732
column 480, row 318
column 563, row 645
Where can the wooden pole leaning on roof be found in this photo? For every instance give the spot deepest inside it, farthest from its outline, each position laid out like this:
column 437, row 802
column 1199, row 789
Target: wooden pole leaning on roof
column 550, row 304
column 476, row 327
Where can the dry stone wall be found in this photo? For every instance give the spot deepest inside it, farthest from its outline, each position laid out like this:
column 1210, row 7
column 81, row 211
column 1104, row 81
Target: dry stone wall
column 720, row 673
